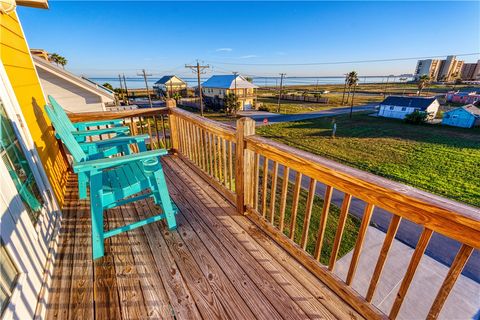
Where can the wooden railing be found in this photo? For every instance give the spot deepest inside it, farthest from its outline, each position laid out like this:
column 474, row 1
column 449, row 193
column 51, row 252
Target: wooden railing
column 275, row 186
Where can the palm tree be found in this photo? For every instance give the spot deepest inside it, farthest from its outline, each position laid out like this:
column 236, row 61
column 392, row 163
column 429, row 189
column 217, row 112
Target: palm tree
column 352, row 82
column 58, row 59
column 423, row 82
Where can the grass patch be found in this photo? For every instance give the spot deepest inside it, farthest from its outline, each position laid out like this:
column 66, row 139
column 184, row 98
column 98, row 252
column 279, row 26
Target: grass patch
column 350, row 231
column 441, row 160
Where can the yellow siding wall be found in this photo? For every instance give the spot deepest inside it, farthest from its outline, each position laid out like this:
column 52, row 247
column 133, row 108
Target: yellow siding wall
column 15, row 56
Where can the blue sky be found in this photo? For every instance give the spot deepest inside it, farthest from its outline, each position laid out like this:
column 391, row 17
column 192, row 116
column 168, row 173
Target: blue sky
column 105, row 38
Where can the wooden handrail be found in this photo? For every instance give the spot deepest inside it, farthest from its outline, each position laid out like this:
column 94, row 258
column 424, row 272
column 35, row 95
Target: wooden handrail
column 450, row 218
column 112, row 115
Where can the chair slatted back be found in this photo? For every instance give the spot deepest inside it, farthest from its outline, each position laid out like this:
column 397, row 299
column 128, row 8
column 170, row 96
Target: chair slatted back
column 66, row 136
column 61, row 114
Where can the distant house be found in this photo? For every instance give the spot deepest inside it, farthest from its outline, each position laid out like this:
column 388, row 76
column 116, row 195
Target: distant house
column 463, row 97
column 73, row 93
column 168, row 85
column 466, row 117
column 399, row 106
column 218, row 86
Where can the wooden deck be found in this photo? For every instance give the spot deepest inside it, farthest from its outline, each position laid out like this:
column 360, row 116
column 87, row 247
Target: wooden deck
column 217, row 264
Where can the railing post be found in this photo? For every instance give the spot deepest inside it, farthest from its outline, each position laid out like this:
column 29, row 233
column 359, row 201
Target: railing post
column 244, row 165
column 171, row 105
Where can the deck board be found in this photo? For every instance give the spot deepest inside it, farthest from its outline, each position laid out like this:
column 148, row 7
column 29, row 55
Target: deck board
column 217, row 264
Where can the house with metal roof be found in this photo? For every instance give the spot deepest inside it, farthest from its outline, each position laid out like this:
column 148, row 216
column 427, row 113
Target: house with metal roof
column 167, row 86
column 399, row 106
column 467, row 116
column 74, row 93
column 217, row 87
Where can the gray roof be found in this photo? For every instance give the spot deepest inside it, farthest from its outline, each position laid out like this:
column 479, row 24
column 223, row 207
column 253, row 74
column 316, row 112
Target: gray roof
column 165, row 79
column 421, row 103
column 470, row 108
column 228, row 82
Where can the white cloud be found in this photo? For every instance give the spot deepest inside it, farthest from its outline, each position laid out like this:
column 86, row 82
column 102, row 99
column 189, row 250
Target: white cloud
column 248, row 56
column 224, row 49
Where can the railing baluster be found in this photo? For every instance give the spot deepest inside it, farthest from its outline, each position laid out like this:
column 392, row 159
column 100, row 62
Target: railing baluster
column 273, row 192
column 308, row 212
column 214, row 150
column 347, row 198
column 256, row 177
column 455, row 270
column 219, row 153
column 323, row 221
column 264, row 186
column 210, row 153
column 283, row 197
column 387, row 243
column 410, row 273
column 202, row 147
column 296, row 195
column 367, row 215
column 224, row 153
column 230, row 165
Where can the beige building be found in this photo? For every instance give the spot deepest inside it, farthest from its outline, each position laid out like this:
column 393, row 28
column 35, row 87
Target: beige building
column 218, row 86
column 168, row 85
column 448, row 69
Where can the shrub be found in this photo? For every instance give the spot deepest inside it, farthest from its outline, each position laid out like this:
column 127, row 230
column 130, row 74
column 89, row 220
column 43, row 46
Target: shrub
column 416, row 117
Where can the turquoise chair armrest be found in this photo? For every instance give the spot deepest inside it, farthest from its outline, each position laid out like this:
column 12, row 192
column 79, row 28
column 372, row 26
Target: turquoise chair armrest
column 85, row 133
column 83, row 124
column 100, row 164
column 116, row 141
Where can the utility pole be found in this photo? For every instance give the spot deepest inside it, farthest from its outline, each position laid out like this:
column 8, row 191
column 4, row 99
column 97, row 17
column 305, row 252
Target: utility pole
column 280, row 92
column 198, row 69
column 121, row 94
column 145, row 75
column 126, row 89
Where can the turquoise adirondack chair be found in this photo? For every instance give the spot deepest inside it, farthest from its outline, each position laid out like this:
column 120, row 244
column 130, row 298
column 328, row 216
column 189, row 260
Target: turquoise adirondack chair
column 96, row 149
column 79, row 129
column 116, row 181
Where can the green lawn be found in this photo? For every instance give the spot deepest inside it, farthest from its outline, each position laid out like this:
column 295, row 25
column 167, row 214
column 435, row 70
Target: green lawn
column 441, row 160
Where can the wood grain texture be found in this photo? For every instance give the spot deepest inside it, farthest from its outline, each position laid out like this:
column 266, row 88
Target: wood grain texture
column 308, row 212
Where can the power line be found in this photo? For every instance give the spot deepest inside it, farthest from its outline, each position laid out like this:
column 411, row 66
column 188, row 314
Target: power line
column 340, row 62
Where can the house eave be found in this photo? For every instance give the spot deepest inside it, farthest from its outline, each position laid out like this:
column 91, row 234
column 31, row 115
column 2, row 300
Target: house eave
column 40, row 4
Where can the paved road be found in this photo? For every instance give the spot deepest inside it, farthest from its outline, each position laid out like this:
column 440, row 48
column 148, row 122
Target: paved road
column 277, row 118
column 440, row 248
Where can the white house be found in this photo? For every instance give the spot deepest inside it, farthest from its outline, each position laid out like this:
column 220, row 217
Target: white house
column 73, row 93
column 218, row 86
column 399, row 106
column 465, row 117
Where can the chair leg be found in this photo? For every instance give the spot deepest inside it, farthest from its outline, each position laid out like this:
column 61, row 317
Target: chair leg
column 82, row 185
column 161, row 193
column 96, row 210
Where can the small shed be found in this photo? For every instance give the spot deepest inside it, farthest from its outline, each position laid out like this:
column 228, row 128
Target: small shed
column 467, row 116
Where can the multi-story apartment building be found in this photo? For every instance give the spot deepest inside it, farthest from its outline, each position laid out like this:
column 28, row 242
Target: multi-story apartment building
column 448, row 69
column 429, row 67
